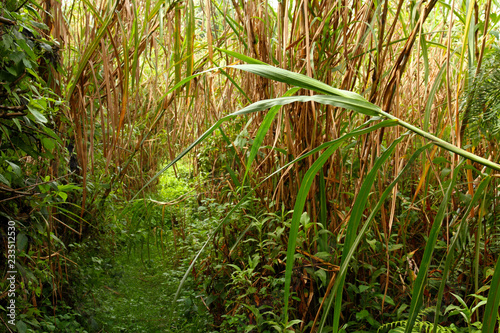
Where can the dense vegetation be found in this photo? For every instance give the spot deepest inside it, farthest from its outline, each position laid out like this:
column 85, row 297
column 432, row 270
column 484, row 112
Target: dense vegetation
column 246, row 166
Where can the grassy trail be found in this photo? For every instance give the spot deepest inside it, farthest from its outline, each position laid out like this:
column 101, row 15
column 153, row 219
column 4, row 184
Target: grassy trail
column 127, row 293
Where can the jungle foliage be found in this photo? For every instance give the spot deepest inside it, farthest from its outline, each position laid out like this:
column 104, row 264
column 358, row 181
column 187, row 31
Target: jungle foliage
column 343, row 161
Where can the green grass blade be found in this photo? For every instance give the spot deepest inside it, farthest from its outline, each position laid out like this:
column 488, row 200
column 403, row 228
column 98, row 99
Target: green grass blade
column 242, row 57
column 263, row 129
column 353, row 224
column 223, row 72
column 323, row 240
column 491, row 311
column 295, row 79
column 83, row 63
column 298, row 209
column 177, row 44
column 451, row 250
column 345, row 263
column 418, row 289
column 361, row 104
column 190, row 26
column 363, row 107
column 432, row 95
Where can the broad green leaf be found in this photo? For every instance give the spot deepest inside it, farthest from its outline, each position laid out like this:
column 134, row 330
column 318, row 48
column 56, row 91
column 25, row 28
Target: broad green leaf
column 4, row 180
column 21, row 326
column 7, row 41
column 322, row 276
column 22, row 241
column 39, row 118
column 52, row 134
column 63, row 195
column 16, row 169
column 17, row 56
column 11, row 70
column 39, row 25
column 25, row 47
column 48, row 143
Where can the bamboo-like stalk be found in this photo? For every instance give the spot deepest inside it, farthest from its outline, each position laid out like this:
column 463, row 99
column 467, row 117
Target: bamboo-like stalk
column 366, row 49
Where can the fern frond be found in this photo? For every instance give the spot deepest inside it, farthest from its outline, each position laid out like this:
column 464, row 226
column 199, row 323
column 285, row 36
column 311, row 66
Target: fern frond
column 420, row 324
column 481, row 101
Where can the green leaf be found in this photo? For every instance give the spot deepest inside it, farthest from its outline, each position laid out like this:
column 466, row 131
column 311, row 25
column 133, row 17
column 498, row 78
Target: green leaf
column 4, row 180
column 39, row 25
column 362, row 314
column 39, row 118
column 68, row 187
column 242, row 57
column 18, row 124
column 440, row 159
column 395, row 247
column 22, row 241
column 21, row 326
column 363, row 288
column 15, row 168
column 17, row 56
column 48, row 143
column 25, row 47
column 11, row 70
column 27, row 63
column 293, row 322
column 322, row 276
column 54, row 237
column 52, row 134
column 63, row 195
column 46, row 47
column 299, row 80
column 261, row 132
column 8, row 41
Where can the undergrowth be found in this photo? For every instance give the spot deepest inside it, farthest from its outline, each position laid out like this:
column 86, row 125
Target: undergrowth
column 127, row 276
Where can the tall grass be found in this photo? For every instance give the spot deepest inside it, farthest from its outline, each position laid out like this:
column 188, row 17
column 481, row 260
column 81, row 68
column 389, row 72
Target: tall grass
column 154, row 80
